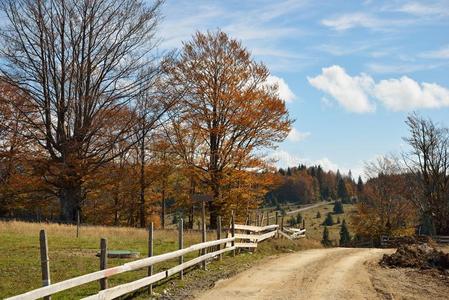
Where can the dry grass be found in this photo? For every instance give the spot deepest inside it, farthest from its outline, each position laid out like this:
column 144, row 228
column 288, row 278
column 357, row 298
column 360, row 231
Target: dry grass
column 97, row 232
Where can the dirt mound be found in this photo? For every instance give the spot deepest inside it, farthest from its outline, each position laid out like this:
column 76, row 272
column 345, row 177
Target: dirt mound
column 422, row 256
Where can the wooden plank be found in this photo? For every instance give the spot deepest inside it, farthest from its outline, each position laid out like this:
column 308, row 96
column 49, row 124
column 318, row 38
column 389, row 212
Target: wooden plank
column 284, row 234
column 197, row 260
column 126, row 288
column 266, row 236
column 245, row 245
column 255, row 228
column 123, row 289
column 243, row 236
column 130, row 266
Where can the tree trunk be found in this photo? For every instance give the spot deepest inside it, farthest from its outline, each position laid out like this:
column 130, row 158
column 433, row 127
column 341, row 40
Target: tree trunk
column 70, row 199
column 142, row 215
column 214, row 207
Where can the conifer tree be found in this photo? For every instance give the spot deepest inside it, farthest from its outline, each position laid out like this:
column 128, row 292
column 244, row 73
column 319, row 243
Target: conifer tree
column 359, row 185
column 338, row 207
column 342, row 193
column 345, row 237
column 326, row 242
column 329, row 221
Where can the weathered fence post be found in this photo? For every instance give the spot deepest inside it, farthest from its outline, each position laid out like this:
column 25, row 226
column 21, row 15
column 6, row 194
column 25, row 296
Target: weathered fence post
column 45, row 262
column 220, row 257
column 268, row 218
column 282, row 223
column 203, row 225
column 303, row 223
column 277, row 217
column 233, row 232
column 150, row 253
column 103, row 262
column 181, row 244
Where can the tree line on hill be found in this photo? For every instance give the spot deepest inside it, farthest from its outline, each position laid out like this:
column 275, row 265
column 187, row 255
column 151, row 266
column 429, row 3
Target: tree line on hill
column 305, row 185
column 95, row 123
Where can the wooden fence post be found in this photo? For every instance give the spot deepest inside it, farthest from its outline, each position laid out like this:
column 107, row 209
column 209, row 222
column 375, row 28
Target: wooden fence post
column 45, row 262
column 282, row 223
column 277, row 218
column 268, row 218
column 150, row 253
column 303, row 223
column 103, row 262
column 181, row 244
column 220, row 257
column 203, row 225
column 233, row 232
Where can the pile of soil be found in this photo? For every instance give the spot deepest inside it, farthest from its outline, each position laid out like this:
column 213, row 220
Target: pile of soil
column 421, row 256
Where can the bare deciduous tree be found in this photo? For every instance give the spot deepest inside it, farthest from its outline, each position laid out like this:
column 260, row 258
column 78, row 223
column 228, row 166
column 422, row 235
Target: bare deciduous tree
column 428, row 162
column 82, row 64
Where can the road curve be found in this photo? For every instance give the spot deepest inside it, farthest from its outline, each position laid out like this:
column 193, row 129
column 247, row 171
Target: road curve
column 338, row 273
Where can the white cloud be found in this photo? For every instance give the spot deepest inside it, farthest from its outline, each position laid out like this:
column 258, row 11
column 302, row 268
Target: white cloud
column 350, row 92
column 348, row 21
column 284, row 159
column 297, row 136
column 406, row 94
column 285, row 93
column 354, row 93
column 399, row 68
column 363, row 20
column 436, row 9
column 442, row 53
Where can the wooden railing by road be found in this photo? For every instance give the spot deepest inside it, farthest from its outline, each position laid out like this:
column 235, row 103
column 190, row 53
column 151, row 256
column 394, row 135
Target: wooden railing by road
column 229, row 243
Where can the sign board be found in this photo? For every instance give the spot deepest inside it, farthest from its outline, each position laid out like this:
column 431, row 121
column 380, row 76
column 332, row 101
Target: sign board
column 202, row 197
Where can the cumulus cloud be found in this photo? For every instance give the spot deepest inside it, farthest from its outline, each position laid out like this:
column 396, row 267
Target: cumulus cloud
column 350, row 92
column 357, row 93
column 297, row 136
column 405, row 94
column 285, row 93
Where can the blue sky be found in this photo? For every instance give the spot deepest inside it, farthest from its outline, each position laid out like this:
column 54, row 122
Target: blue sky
column 350, row 71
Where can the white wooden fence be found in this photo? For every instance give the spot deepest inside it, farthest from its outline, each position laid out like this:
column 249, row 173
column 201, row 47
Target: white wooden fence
column 253, row 236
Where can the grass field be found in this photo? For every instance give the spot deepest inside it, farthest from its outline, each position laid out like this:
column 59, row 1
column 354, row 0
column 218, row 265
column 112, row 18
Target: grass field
column 71, row 256
column 314, row 227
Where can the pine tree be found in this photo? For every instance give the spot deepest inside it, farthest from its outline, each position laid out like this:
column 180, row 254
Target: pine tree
column 360, row 186
column 345, row 237
column 329, row 221
column 342, row 193
column 326, row 242
column 338, row 207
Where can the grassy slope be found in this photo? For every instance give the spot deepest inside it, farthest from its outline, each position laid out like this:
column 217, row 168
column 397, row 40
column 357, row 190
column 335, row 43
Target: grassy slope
column 314, row 227
column 70, row 257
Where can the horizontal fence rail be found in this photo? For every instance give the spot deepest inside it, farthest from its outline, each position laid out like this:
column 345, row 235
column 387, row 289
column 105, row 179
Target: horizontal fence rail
column 130, row 266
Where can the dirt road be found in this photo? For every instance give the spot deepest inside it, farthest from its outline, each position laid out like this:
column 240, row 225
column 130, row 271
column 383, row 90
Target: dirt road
column 337, row 273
